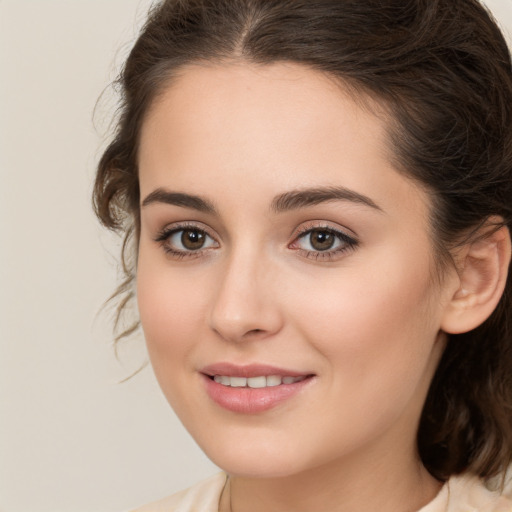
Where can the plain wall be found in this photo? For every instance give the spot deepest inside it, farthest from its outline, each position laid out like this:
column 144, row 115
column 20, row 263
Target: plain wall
column 71, row 437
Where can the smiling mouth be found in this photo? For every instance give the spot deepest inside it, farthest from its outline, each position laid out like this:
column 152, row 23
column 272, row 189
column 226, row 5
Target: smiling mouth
column 256, row 382
column 253, row 388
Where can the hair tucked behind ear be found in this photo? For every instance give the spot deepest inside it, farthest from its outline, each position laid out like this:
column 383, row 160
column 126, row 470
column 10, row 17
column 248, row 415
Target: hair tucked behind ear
column 442, row 69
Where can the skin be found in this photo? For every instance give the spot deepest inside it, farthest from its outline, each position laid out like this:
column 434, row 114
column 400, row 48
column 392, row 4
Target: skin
column 365, row 321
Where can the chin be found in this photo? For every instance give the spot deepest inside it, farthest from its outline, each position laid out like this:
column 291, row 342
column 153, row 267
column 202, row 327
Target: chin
column 256, row 468
column 257, row 460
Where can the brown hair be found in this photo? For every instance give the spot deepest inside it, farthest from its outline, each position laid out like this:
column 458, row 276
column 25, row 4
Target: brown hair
column 443, row 70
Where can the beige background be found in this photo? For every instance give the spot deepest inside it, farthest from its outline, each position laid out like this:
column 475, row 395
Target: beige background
column 71, row 438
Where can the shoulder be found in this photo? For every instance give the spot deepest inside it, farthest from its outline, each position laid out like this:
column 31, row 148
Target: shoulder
column 468, row 493
column 203, row 496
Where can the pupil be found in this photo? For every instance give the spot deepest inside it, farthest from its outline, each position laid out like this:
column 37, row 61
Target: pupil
column 192, row 240
column 322, row 240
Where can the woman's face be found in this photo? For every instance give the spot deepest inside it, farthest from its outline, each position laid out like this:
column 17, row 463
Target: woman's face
column 281, row 252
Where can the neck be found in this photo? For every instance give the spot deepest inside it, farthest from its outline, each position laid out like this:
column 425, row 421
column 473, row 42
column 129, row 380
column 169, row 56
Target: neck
column 336, row 487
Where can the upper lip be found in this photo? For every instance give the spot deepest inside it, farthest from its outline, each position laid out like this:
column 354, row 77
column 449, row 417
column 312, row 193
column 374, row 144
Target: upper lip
column 250, row 370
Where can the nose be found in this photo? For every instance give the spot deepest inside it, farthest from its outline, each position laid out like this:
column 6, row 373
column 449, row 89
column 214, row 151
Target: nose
column 245, row 304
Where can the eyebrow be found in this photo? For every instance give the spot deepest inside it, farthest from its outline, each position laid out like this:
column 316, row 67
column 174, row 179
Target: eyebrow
column 292, row 200
column 161, row 195
column 296, row 199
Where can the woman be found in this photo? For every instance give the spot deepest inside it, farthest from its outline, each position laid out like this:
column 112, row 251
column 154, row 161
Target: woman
column 320, row 198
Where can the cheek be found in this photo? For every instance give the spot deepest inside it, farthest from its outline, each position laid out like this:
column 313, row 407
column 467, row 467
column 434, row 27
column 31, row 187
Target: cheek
column 375, row 327
column 170, row 313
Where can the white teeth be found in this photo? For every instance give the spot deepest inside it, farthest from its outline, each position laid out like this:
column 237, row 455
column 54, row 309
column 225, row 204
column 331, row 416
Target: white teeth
column 273, row 380
column 238, row 382
column 256, row 382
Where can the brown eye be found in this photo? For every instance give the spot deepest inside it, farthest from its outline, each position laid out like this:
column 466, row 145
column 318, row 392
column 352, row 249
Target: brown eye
column 321, row 240
column 323, row 243
column 186, row 240
column 192, row 239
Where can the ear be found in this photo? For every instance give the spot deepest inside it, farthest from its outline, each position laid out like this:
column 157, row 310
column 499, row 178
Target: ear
column 482, row 268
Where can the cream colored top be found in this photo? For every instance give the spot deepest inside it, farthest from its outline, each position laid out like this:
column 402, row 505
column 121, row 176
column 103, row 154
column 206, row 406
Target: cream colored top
column 459, row 494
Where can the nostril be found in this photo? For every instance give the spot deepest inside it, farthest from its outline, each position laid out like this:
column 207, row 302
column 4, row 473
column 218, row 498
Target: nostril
column 253, row 333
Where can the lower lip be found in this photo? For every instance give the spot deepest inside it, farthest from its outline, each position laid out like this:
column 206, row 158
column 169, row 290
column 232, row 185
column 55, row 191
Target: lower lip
column 252, row 400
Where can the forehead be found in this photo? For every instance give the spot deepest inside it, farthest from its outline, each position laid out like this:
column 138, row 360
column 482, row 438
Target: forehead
column 282, row 100
column 268, row 129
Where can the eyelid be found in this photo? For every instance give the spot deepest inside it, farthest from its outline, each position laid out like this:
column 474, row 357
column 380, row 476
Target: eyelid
column 164, row 234
column 350, row 241
column 182, row 225
column 308, row 226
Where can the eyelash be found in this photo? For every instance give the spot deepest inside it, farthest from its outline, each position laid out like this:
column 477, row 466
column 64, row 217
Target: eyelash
column 348, row 243
column 163, row 239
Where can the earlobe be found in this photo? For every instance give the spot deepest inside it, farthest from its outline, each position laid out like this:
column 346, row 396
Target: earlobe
column 483, row 268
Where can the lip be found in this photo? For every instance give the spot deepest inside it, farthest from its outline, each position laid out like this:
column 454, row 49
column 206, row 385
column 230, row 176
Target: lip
column 252, row 400
column 250, row 370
